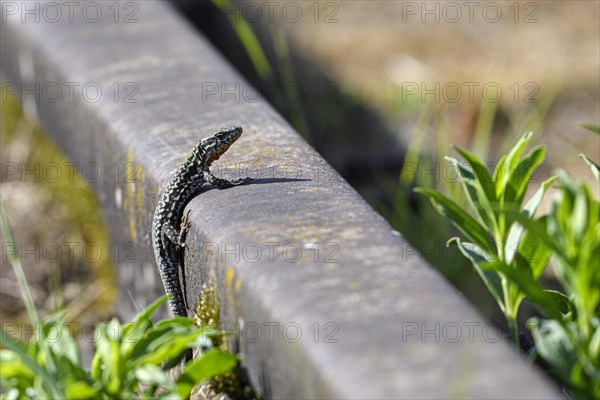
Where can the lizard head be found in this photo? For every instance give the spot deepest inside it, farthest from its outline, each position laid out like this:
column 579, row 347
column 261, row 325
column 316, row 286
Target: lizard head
column 216, row 144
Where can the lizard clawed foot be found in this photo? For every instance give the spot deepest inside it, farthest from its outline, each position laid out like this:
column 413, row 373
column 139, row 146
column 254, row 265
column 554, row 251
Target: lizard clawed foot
column 241, row 181
column 185, row 221
column 184, row 228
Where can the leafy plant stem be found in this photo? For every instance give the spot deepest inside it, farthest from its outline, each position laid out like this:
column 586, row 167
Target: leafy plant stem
column 510, row 312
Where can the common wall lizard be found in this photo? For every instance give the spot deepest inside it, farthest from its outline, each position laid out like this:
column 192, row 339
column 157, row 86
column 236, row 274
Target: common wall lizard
column 168, row 240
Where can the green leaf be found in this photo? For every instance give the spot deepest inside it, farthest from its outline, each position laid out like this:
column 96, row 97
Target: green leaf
column 527, row 284
column 498, row 176
column 177, row 322
column 512, row 158
column 167, row 347
column 594, row 349
column 483, row 176
column 591, row 127
column 64, row 344
column 593, row 166
column 155, row 337
column 147, row 312
column 48, row 383
column 211, row 363
column 536, row 228
column 132, row 334
column 479, row 257
column 11, row 394
column 516, row 230
column 107, row 364
column 579, row 215
column 152, row 374
column 134, row 331
column 532, row 253
column 519, row 179
column 13, row 367
column 80, row 390
column 562, row 303
column 554, row 346
column 475, row 194
column 460, row 219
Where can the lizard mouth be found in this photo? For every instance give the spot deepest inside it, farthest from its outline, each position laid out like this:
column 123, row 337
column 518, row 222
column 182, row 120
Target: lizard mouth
column 219, row 153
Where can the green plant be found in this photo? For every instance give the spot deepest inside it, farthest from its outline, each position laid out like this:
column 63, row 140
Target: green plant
column 570, row 342
column 510, row 248
column 492, row 234
column 132, row 360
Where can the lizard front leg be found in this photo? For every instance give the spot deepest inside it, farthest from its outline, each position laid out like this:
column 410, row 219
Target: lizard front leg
column 223, row 183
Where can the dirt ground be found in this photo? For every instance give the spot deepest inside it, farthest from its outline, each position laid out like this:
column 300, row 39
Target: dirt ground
column 532, row 50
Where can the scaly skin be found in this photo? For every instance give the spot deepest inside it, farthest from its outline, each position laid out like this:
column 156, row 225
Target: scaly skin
column 167, row 240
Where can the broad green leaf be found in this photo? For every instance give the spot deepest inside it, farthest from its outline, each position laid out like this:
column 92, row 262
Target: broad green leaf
column 512, row 158
column 62, row 343
column 593, row 166
column 159, row 335
column 107, row 353
column 460, row 219
column 152, row 374
column 483, row 176
column 211, row 363
column 48, row 383
column 594, row 350
column 162, row 350
column 579, row 216
column 11, row 394
column 562, row 303
column 13, row 367
column 518, row 181
column 179, row 322
column 477, row 198
column 132, row 334
column 554, row 346
column 80, row 390
column 147, row 312
column 572, row 221
column 516, row 230
column 498, row 177
column 536, row 228
column 527, row 284
column 532, row 252
column 479, row 257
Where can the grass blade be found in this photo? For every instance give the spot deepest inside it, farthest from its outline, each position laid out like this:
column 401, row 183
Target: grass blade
column 17, row 267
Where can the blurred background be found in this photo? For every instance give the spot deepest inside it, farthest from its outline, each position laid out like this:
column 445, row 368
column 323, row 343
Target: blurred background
column 381, row 89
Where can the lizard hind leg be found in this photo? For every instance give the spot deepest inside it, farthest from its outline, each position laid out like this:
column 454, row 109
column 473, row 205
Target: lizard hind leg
column 175, row 239
column 184, row 229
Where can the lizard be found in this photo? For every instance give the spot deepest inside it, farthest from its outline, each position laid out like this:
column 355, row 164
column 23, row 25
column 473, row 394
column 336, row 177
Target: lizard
column 168, row 241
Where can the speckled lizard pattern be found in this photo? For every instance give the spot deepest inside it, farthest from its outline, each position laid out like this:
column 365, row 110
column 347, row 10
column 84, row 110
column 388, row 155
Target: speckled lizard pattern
column 169, row 241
